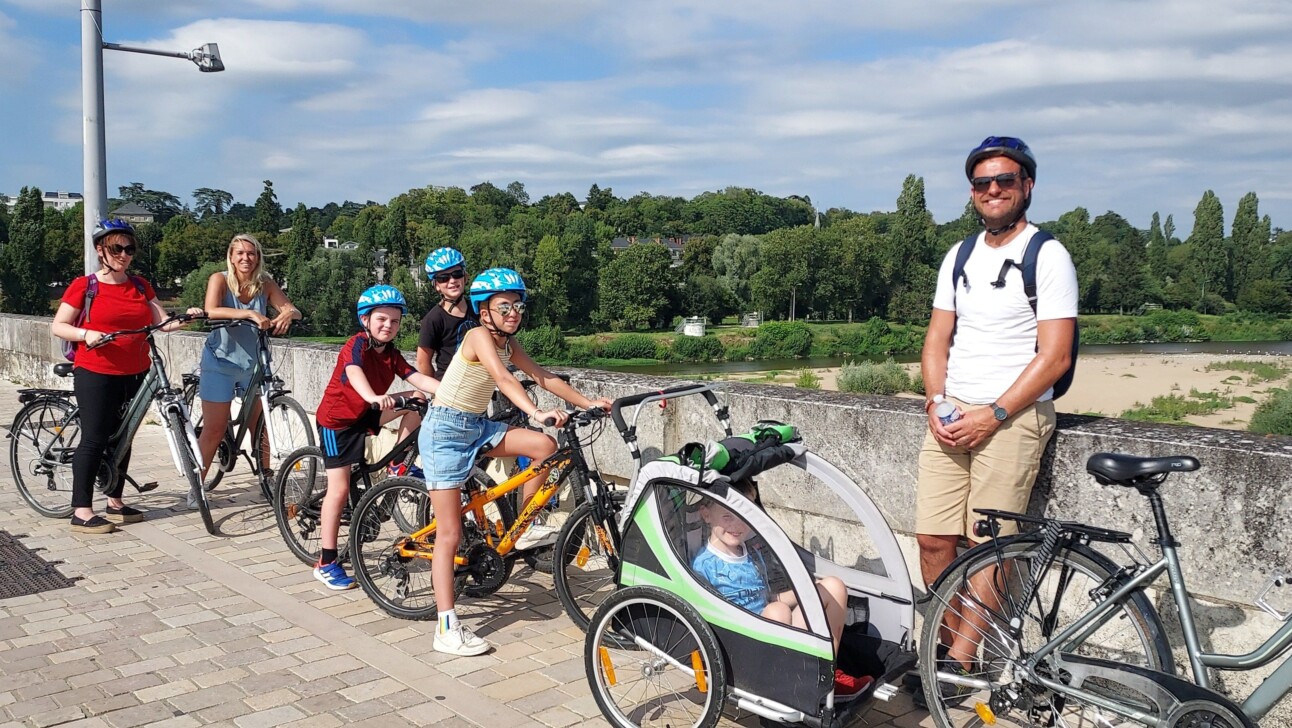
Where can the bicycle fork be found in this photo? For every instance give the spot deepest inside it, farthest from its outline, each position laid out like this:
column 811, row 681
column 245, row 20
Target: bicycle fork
column 188, row 434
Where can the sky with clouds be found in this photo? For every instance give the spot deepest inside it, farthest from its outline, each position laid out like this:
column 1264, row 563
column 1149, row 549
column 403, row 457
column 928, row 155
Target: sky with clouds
column 1130, row 105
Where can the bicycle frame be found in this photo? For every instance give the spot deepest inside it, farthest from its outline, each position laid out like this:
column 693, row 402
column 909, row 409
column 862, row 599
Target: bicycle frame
column 567, row 458
column 1257, row 704
column 262, row 384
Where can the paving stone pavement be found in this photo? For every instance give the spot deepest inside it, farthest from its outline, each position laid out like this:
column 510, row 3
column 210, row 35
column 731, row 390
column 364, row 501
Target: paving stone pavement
column 167, row 625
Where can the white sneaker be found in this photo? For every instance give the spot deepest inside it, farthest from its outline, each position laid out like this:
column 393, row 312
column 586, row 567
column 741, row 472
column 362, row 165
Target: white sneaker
column 537, row 535
column 192, row 500
column 459, row 641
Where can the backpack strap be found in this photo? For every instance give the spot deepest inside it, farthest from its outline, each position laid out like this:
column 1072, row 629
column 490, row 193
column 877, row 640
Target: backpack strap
column 1029, row 265
column 139, row 285
column 962, row 257
column 91, row 290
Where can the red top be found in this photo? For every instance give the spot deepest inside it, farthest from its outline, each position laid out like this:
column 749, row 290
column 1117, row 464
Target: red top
column 341, row 405
column 116, row 306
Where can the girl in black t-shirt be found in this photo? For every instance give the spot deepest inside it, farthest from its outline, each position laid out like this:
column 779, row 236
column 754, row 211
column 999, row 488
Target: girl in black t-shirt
column 448, row 321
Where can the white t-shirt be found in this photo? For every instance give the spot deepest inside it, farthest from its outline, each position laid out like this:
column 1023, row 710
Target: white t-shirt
column 995, row 335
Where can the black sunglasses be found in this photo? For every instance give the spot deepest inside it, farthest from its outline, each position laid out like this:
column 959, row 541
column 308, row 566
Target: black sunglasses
column 119, row 249
column 456, row 274
column 1006, row 181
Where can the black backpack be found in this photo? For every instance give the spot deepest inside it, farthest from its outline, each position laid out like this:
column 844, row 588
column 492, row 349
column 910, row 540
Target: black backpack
column 1028, row 268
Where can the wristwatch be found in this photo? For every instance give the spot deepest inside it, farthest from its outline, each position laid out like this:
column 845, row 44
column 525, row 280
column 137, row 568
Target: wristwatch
column 1001, row 414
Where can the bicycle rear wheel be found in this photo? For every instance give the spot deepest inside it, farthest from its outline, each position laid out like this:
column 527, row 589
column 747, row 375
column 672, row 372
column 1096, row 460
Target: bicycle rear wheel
column 297, row 501
column 585, row 561
column 181, row 431
column 400, row 585
column 979, row 597
column 289, row 429
column 41, row 443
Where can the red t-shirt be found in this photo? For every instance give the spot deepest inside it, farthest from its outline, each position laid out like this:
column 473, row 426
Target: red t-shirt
column 341, row 405
column 116, row 306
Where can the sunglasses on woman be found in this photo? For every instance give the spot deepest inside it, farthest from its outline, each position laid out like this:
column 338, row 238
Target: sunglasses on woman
column 119, row 249
column 456, row 274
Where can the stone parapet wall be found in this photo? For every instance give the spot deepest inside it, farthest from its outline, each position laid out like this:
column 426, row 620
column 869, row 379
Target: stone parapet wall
column 1233, row 517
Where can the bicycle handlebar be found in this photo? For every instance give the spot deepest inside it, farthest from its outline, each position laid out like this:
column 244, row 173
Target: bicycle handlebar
column 616, row 410
column 579, row 418
column 402, row 402
column 106, row 338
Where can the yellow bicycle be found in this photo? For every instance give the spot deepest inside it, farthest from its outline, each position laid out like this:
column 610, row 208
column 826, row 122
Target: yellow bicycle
column 392, row 561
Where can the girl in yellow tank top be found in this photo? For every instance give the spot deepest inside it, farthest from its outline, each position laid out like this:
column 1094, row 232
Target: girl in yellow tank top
column 456, row 429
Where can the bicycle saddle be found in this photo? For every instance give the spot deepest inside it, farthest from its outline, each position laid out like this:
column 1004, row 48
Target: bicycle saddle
column 63, row 368
column 1112, row 467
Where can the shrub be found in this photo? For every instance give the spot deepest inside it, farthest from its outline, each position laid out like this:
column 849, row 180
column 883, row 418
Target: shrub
column 193, row 294
column 698, row 348
column 864, row 339
column 782, row 340
column 545, row 343
column 1274, row 415
column 870, row 378
column 630, row 346
column 807, row 379
column 580, row 353
column 738, row 352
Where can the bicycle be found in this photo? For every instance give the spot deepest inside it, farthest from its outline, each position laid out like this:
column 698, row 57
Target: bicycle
column 41, row 447
column 392, row 561
column 301, row 485
column 1060, row 634
column 586, row 552
column 288, row 427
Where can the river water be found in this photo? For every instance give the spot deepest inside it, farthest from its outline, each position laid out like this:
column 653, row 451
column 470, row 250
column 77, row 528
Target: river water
column 1281, row 348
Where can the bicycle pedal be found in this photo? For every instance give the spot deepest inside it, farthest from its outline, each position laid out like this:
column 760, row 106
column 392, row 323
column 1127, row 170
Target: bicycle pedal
column 151, row 485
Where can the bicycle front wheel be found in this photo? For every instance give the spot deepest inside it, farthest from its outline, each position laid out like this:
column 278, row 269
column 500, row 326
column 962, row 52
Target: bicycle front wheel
column 585, row 561
column 384, row 519
column 289, row 429
column 188, row 462
column 973, row 605
column 297, row 500
column 42, row 439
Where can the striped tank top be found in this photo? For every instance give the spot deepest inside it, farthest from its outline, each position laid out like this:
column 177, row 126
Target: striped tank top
column 467, row 385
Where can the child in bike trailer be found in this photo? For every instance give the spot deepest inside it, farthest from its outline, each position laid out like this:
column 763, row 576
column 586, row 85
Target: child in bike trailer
column 456, row 429
column 354, row 406
column 739, row 574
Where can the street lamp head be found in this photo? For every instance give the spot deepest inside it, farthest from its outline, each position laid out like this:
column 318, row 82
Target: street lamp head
column 207, row 58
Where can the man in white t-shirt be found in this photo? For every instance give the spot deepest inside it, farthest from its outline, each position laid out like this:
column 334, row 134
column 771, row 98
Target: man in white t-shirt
column 992, row 357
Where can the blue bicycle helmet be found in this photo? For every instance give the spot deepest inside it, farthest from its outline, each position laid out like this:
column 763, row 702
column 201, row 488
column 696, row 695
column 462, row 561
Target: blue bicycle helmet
column 495, row 281
column 442, row 259
column 378, row 296
column 1002, row 146
column 112, row 226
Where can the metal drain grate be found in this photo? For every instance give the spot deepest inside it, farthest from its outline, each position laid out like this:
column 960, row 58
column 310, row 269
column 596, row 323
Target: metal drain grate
column 25, row 572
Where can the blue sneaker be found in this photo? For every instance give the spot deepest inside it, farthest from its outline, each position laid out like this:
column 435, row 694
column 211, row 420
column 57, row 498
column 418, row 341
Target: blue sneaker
column 333, row 576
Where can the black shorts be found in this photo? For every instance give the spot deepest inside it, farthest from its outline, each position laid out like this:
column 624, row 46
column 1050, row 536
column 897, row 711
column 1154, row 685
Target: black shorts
column 344, row 447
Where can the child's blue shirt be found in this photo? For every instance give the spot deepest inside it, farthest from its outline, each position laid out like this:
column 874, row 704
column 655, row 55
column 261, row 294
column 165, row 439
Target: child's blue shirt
column 739, row 580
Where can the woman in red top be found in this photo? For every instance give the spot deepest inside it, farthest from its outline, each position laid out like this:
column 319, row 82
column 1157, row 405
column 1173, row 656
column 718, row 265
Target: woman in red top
column 106, row 378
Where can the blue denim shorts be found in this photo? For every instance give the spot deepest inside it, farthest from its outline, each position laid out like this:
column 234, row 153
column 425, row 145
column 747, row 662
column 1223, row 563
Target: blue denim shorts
column 449, row 442
column 219, row 379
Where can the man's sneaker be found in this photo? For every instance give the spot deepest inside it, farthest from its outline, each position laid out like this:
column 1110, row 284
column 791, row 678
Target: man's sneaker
column 459, row 641
column 847, row 687
column 333, row 576
column 536, row 536
column 192, row 500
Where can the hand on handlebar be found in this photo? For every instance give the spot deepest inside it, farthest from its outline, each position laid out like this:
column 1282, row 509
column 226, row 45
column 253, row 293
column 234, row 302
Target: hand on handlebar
column 94, row 338
column 551, row 418
column 383, row 402
column 603, row 403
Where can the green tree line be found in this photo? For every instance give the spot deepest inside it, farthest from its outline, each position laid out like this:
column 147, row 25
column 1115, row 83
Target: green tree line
column 715, row 255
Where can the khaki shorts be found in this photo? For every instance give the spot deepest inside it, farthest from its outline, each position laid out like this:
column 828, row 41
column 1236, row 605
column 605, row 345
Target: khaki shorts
column 998, row 474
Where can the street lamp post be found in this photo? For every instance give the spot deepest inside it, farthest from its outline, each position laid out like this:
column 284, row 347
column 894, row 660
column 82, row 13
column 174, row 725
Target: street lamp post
column 207, row 59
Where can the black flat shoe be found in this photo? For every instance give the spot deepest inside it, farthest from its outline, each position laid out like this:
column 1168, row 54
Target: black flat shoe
column 94, row 524
column 124, row 514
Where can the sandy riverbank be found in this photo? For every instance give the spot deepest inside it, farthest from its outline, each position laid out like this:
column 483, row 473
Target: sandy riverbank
column 1109, row 384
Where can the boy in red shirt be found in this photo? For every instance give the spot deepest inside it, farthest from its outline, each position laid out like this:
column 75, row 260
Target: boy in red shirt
column 353, row 408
